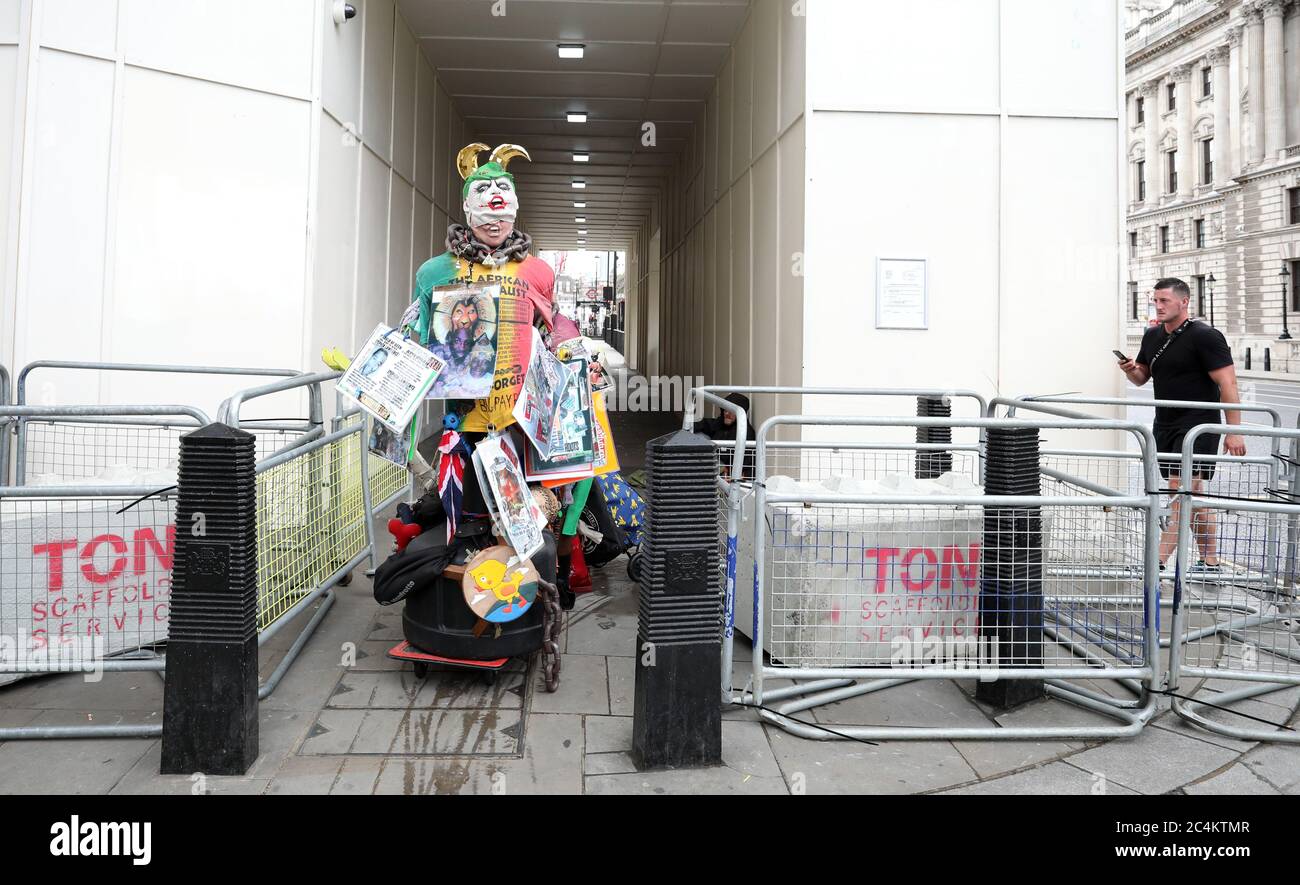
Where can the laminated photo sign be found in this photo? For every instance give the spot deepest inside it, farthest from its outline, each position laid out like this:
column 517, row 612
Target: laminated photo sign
column 537, row 410
column 499, row 586
column 517, row 513
column 495, row 409
column 390, row 376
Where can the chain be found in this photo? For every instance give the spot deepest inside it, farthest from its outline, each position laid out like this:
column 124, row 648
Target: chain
column 552, row 619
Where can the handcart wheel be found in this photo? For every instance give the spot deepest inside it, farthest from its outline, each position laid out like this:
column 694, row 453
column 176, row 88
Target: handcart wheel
column 421, row 670
column 346, row 580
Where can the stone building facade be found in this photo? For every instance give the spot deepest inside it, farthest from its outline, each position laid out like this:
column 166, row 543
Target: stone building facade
column 1213, row 159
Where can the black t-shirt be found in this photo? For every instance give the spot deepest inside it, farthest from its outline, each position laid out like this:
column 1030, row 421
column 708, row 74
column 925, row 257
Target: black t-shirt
column 1183, row 371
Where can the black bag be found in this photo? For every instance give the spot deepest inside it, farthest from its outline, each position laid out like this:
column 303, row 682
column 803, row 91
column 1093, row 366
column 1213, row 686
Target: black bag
column 422, row 562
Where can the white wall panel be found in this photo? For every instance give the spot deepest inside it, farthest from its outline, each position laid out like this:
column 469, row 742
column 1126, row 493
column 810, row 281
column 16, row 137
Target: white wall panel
column 841, row 344
column 404, row 73
column 723, row 321
column 922, row 53
column 10, row 13
column 1052, row 51
column 210, row 222
column 790, row 324
column 741, row 297
column 742, row 97
column 61, row 301
column 399, row 249
column 442, row 158
column 426, row 113
column 372, row 249
column 87, row 26
column 726, row 113
column 341, row 68
column 377, row 87
column 247, row 42
column 794, row 40
column 336, row 232
column 1072, row 261
column 766, row 16
column 422, row 247
column 764, row 268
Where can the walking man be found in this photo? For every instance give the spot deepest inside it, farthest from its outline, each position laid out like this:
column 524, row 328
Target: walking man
column 1190, row 361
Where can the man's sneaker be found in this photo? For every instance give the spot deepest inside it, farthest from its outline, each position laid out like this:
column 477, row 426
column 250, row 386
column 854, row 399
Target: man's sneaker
column 1204, row 568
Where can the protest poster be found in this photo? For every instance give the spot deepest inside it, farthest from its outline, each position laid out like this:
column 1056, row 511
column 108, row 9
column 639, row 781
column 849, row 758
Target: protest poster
column 537, row 409
column 386, row 444
column 390, row 376
column 517, row 514
column 572, row 449
column 606, row 459
column 494, row 409
column 463, row 332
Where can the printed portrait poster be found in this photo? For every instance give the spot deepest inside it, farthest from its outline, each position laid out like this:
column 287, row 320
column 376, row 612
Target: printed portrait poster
column 386, row 444
column 390, row 376
column 537, row 409
column 495, row 409
column 518, row 515
column 463, row 332
column 573, row 452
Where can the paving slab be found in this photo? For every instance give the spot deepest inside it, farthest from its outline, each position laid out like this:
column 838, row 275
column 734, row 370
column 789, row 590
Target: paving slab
column 1156, row 762
column 995, row 758
column 1237, row 780
column 81, row 767
column 142, row 691
column 551, row 764
column 608, row 763
column 607, row 734
column 1053, row 779
column 609, row 630
column 622, row 685
column 850, row 767
column 1278, row 764
column 584, row 687
column 439, row 732
column 306, row 775
column 924, row 702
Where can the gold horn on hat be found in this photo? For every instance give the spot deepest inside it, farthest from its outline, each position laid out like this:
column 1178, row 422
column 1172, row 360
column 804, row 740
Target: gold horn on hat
column 504, row 153
column 467, row 159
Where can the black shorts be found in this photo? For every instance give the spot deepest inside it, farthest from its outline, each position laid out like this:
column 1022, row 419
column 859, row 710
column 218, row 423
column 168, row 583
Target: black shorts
column 1170, row 439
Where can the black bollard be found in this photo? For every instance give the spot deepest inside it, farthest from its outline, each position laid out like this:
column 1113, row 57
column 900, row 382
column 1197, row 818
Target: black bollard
column 210, row 698
column 1011, row 576
column 931, row 463
column 677, row 704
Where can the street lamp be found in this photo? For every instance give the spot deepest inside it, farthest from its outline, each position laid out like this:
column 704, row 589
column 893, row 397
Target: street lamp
column 1210, row 280
column 1286, row 278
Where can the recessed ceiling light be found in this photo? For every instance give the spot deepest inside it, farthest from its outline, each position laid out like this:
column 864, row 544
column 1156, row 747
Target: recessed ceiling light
column 572, row 50
column 581, row 158
column 579, row 184
column 576, row 117
column 581, row 219
column 582, row 233
column 579, row 205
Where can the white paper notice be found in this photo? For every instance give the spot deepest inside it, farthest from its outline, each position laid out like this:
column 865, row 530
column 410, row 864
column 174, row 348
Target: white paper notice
column 901, row 294
column 389, row 377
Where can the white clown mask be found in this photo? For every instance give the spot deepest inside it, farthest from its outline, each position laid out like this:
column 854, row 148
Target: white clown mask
column 491, row 200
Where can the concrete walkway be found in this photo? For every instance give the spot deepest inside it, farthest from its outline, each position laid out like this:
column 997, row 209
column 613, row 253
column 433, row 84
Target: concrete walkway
column 346, row 719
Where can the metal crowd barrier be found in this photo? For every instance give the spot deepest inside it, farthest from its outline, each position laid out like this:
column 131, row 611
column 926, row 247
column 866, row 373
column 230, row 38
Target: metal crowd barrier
column 734, row 489
column 1239, row 622
column 6, row 399
column 85, row 569
column 312, row 522
column 79, row 450
column 313, row 519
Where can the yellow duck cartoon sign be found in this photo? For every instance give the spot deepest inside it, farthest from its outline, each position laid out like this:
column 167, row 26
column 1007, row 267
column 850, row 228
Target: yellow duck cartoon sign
column 498, row 585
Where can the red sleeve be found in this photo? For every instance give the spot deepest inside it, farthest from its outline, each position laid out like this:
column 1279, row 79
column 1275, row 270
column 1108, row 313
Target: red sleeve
column 540, row 282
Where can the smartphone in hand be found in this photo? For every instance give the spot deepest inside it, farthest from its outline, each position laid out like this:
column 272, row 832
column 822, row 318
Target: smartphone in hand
column 1119, row 356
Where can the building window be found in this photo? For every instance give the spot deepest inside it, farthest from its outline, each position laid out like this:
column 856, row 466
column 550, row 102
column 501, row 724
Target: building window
column 1293, row 202
column 1142, row 181
column 1132, row 244
column 1171, row 91
column 1207, row 161
column 1141, row 110
column 1164, row 238
column 1295, row 296
column 1133, row 301
column 1171, row 158
column 1207, row 89
column 1200, row 232
column 1200, row 296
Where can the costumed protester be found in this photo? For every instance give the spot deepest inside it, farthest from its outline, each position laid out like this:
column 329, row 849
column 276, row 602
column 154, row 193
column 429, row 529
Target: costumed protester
column 723, row 428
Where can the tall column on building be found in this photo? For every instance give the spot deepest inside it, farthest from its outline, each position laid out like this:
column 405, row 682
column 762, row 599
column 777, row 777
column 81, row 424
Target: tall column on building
column 1186, row 151
column 1274, row 80
column 1233, row 98
column 1255, row 76
column 1151, row 111
column 1223, row 171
